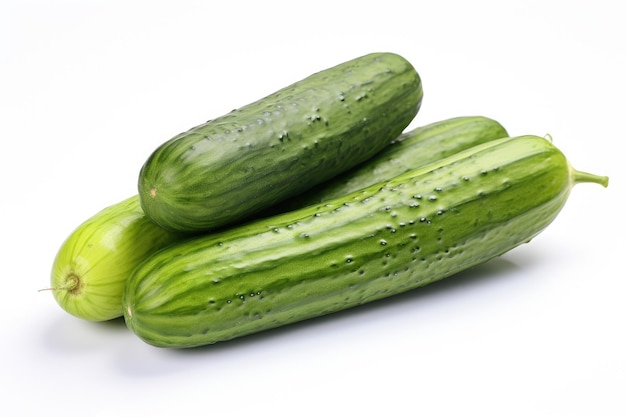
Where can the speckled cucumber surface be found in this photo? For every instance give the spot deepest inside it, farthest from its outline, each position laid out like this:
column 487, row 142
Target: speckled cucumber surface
column 411, row 150
column 222, row 171
column 417, row 228
column 93, row 263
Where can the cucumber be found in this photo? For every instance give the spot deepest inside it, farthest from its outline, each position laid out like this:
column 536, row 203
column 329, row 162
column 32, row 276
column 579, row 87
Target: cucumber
column 417, row 228
column 411, row 150
column 93, row 264
column 75, row 291
column 224, row 170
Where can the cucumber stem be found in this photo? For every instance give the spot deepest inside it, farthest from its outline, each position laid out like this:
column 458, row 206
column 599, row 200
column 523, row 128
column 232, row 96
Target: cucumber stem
column 580, row 177
column 72, row 285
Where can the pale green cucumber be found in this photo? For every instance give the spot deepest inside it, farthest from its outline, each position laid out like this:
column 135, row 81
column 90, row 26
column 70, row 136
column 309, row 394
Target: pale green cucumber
column 92, row 265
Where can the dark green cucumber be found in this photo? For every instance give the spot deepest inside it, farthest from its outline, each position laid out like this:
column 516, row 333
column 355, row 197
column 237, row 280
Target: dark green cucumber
column 92, row 265
column 411, row 150
column 226, row 169
column 388, row 238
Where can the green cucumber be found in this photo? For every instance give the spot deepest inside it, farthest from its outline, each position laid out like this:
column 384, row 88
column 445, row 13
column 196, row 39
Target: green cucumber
column 93, row 264
column 411, row 150
column 227, row 169
column 417, row 228
column 74, row 289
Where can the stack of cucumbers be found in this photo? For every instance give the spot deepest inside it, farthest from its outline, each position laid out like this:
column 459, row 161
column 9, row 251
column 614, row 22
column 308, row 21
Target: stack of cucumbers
column 314, row 199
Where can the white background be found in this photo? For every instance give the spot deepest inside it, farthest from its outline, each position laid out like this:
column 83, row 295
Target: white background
column 89, row 88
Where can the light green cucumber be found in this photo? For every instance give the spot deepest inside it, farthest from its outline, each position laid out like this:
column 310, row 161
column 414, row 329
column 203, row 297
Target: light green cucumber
column 93, row 264
column 417, row 228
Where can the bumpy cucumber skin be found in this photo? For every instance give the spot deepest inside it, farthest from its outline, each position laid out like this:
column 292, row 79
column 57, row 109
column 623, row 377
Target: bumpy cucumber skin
column 102, row 253
column 411, row 150
column 418, row 228
column 438, row 140
column 224, row 170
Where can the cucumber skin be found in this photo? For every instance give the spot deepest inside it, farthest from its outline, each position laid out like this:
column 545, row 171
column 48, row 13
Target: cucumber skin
column 418, row 228
column 142, row 237
column 223, row 171
column 103, row 251
column 411, row 150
